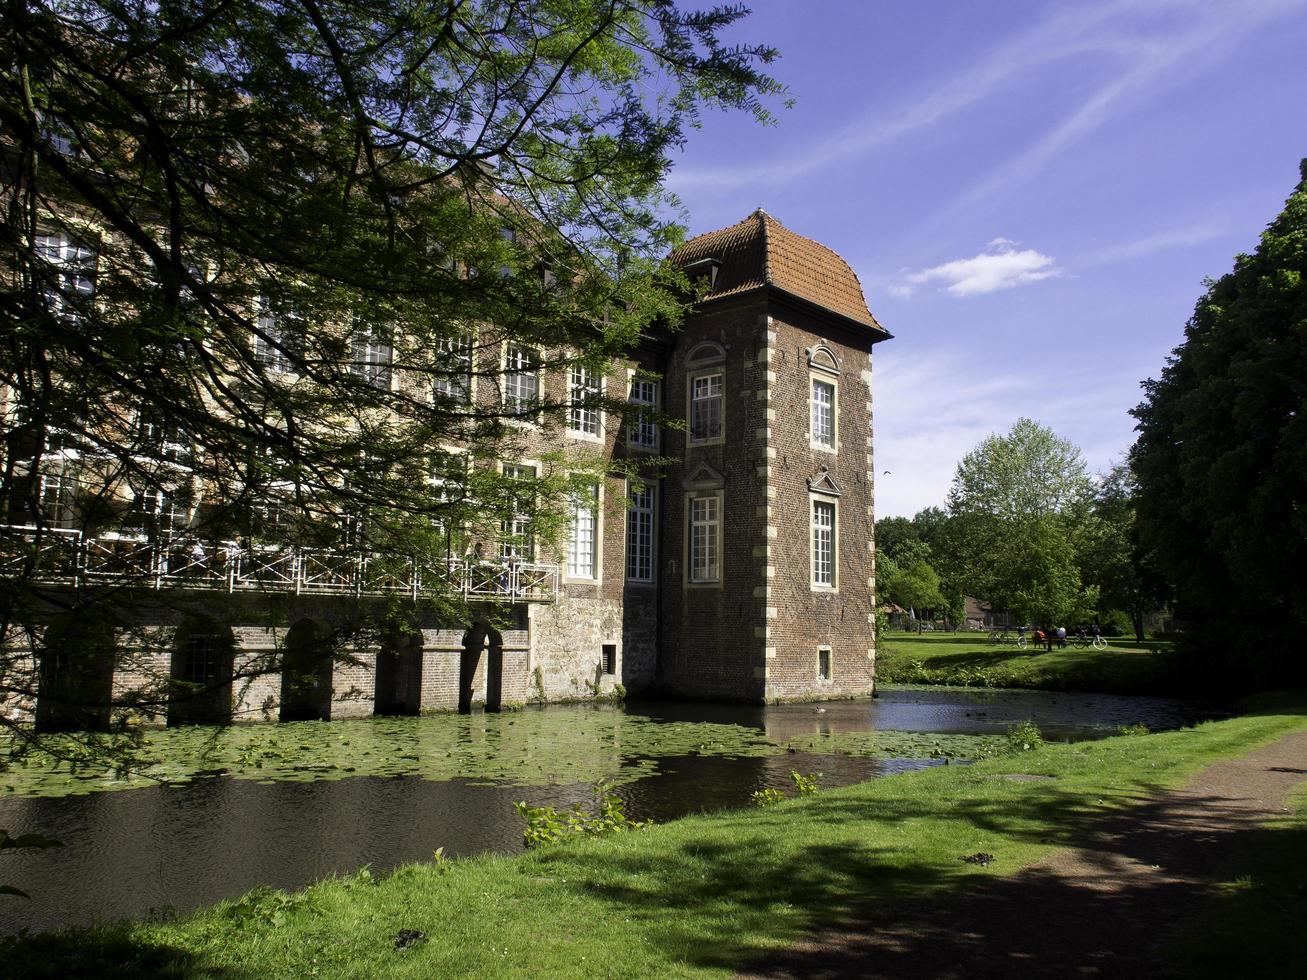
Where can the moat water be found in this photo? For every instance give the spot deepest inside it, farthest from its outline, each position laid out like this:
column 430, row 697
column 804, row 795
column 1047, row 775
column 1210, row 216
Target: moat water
column 216, row 812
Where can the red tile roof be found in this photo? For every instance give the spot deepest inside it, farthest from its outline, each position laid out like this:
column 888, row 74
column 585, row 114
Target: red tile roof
column 760, row 251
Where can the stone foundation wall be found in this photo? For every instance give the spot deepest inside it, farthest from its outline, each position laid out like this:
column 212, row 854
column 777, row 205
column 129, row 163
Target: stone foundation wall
column 638, row 655
column 146, row 672
column 354, row 685
column 256, row 694
column 566, row 650
column 568, row 658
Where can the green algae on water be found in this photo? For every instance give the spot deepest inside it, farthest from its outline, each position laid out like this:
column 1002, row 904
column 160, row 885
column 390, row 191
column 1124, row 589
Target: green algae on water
column 551, row 746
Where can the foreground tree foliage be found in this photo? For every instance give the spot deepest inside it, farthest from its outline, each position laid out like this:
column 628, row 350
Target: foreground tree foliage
column 256, row 254
column 1221, row 461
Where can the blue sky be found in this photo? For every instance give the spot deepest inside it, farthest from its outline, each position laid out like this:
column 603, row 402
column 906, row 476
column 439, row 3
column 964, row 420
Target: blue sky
column 1031, row 194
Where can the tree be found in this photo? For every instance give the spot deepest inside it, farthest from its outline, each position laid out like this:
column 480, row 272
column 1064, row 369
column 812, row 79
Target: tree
column 1018, row 507
column 1221, row 460
column 1030, row 472
column 912, row 584
column 247, row 246
column 1111, row 556
column 892, row 534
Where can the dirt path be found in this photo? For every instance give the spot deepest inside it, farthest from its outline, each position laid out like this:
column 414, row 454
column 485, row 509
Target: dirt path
column 1087, row 912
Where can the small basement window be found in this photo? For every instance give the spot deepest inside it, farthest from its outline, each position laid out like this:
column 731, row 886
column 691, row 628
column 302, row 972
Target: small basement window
column 609, row 658
column 823, row 663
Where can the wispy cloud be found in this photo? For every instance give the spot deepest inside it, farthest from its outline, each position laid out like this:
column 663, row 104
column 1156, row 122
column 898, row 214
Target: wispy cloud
column 1064, row 35
column 1157, row 242
column 1173, row 41
column 1133, row 45
column 999, row 266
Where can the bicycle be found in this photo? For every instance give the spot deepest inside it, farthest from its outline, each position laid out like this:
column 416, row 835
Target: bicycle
column 1005, row 636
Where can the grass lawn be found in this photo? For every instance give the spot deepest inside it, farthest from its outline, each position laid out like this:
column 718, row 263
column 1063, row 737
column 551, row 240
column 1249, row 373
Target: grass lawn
column 697, row 897
column 970, row 660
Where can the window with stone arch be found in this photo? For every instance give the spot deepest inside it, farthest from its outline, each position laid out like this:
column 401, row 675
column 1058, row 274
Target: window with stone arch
column 823, row 398
column 706, row 393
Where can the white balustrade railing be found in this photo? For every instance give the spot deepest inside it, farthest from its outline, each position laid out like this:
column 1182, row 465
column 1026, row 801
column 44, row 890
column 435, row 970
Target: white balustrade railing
column 72, row 558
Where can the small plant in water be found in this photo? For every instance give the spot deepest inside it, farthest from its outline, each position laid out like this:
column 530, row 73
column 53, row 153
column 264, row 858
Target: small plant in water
column 806, row 785
column 1135, row 729
column 766, row 797
column 1024, row 737
column 547, row 825
column 267, row 906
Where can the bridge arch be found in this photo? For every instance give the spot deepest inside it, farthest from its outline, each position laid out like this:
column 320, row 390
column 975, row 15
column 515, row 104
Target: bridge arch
column 200, row 673
column 76, row 658
column 481, row 640
column 399, row 670
column 307, row 659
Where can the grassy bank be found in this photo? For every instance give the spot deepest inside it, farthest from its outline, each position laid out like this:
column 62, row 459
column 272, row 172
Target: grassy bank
column 969, row 660
column 697, row 897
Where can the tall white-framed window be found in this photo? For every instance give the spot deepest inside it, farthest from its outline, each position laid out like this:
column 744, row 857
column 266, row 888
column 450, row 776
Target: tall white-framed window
column 516, row 542
column 273, row 514
column 454, row 369
column 706, row 402
column 641, row 528
column 159, row 512
column 643, row 430
column 163, row 439
column 448, row 478
column 373, row 355
column 59, row 490
column 59, row 135
column 824, row 543
column 277, row 336
column 69, row 280
column 585, row 388
column 822, row 415
column 704, row 547
column 824, row 663
column 521, row 378
column 583, row 536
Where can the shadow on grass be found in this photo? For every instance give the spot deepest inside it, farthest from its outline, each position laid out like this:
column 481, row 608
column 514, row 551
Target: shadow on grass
column 1253, row 924
column 102, row 953
column 745, row 886
column 1109, row 909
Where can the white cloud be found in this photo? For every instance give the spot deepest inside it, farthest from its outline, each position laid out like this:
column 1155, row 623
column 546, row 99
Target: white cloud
column 1000, row 266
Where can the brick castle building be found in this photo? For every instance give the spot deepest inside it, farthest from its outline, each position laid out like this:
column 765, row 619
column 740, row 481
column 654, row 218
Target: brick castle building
column 742, row 568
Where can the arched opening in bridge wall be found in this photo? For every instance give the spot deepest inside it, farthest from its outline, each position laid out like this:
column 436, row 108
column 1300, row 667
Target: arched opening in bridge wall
column 399, row 671
column 77, row 657
column 478, row 641
column 307, row 658
column 203, row 658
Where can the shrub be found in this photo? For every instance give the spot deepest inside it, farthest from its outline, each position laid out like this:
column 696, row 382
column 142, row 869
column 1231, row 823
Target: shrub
column 1024, row 737
column 547, row 825
column 806, row 785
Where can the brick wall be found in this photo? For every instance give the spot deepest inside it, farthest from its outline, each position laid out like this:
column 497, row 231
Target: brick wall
column 812, row 617
column 713, row 637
